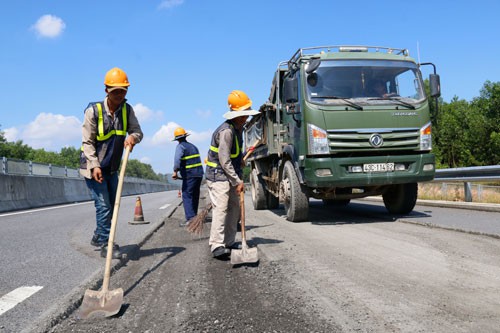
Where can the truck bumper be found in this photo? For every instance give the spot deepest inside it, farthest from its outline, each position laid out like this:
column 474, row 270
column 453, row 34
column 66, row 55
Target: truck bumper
column 315, row 172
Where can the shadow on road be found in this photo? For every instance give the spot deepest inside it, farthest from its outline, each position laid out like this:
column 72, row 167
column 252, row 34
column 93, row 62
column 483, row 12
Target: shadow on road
column 353, row 213
column 172, row 251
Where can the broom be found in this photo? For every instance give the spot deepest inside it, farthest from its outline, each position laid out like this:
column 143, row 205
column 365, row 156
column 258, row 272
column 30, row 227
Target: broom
column 195, row 226
column 197, row 222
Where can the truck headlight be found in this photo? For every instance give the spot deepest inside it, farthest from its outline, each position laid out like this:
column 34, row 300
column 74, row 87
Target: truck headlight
column 318, row 140
column 426, row 137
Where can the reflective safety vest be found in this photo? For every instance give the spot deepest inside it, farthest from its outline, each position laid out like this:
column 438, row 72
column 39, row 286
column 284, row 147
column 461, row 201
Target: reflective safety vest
column 189, row 163
column 214, row 171
column 110, row 136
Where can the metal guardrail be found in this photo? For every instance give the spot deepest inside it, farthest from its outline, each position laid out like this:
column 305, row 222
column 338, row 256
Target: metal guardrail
column 12, row 166
column 468, row 175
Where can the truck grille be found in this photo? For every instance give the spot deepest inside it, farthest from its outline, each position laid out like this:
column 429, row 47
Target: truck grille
column 358, row 140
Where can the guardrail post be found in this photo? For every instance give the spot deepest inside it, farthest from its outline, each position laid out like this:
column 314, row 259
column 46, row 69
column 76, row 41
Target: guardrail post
column 467, row 192
column 30, row 167
column 4, row 165
column 443, row 191
column 50, row 170
column 66, row 171
column 479, row 192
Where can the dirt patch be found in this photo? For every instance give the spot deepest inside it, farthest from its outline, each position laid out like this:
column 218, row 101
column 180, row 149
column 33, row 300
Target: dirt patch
column 172, row 284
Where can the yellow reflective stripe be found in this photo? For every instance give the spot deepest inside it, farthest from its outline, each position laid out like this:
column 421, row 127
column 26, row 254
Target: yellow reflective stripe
column 193, row 165
column 212, row 164
column 237, row 149
column 100, row 124
column 190, row 156
column 124, row 118
column 216, row 150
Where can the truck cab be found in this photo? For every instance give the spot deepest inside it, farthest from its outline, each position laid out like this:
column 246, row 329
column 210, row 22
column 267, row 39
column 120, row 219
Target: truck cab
column 343, row 122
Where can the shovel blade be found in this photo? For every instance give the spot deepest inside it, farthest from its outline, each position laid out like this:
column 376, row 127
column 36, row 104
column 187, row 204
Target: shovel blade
column 101, row 303
column 245, row 255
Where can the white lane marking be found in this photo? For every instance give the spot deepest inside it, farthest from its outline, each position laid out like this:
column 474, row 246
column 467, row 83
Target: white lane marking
column 164, row 206
column 48, row 208
column 16, row 296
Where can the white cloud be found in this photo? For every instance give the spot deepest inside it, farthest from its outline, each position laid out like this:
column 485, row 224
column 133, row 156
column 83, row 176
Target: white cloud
column 52, row 131
column 167, row 4
column 166, row 133
column 144, row 113
column 11, row 134
column 49, row 26
column 145, row 160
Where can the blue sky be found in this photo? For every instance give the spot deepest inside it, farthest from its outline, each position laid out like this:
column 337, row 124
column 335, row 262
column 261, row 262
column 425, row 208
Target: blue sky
column 183, row 57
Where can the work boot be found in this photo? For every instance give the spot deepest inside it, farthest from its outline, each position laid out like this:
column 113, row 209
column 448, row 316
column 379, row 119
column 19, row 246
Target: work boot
column 95, row 241
column 116, row 251
column 184, row 224
column 221, row 253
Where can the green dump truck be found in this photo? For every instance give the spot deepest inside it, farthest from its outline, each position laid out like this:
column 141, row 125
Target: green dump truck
column 342, row 122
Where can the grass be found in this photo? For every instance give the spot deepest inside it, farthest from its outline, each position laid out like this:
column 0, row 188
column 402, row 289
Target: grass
column 455, row 192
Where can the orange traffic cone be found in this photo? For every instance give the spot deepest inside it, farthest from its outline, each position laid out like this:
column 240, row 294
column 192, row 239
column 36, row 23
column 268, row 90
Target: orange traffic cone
column 138, row 216
column 179, row 193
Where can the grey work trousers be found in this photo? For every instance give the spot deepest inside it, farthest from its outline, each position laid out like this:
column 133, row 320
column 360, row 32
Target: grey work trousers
column 225, row 214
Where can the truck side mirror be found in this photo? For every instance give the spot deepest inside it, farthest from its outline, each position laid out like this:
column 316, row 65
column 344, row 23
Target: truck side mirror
column 291, row 90
column 435, row 85
column 313, row 65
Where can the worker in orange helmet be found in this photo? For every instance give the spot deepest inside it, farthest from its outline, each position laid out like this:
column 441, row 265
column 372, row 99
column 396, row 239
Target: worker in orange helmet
column 187, row 162
column 224, row 174
column 104, row 136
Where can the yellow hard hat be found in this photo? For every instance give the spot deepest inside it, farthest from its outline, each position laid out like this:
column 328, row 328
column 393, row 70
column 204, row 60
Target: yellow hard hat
column 116, row 77
column 238, row 100
column 179, row 133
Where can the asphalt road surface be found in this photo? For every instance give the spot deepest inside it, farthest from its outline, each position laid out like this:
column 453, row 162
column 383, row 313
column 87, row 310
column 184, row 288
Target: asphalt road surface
column 352, row 269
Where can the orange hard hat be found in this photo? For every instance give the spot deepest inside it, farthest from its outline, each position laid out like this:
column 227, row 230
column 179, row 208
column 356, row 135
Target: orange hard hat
column 238, row 100
column 179, row 132
column 116, row 77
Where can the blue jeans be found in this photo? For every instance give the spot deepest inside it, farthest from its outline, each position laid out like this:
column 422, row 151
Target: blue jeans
column 104, row 195
column 191, row 196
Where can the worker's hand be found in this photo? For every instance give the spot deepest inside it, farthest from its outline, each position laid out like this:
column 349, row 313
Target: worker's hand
column 240, row 188
column 174, row 175
column 129, row 141
column 97, row 175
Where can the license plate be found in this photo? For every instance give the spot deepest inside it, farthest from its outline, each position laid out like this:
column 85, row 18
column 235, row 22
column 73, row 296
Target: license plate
column 378, row 167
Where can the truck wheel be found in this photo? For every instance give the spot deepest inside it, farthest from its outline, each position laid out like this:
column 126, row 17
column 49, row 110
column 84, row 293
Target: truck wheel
column 401, row 198
column 296, row 202
column 258, row 191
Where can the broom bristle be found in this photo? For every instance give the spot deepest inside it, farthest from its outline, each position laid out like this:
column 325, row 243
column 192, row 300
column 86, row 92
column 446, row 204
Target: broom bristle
column 197, row 222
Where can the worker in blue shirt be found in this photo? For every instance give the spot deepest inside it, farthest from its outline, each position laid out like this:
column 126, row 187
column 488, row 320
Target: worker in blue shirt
column 187, row 161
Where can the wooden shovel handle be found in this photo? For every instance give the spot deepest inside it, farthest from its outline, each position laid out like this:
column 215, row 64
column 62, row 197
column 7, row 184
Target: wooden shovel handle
column 242, row 216
column 250, row 150
column 109, row 256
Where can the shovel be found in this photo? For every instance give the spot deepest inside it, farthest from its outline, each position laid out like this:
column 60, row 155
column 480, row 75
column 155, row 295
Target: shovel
column 107, row 302
column 246, row 254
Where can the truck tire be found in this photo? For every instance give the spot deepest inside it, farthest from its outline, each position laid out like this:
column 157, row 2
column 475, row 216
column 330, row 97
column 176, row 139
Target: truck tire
column 258, row 191
column 295, row 200
column 401, row 198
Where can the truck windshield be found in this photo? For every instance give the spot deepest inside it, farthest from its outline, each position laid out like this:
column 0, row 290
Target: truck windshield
column 367, row 81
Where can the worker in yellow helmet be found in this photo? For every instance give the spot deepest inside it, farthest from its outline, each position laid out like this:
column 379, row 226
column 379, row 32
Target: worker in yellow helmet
column 104, row 136
column 224, row 174
column 187, row 162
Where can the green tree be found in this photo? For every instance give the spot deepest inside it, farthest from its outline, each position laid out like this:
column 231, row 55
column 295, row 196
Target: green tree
column 487, row 130
column 140, row 170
